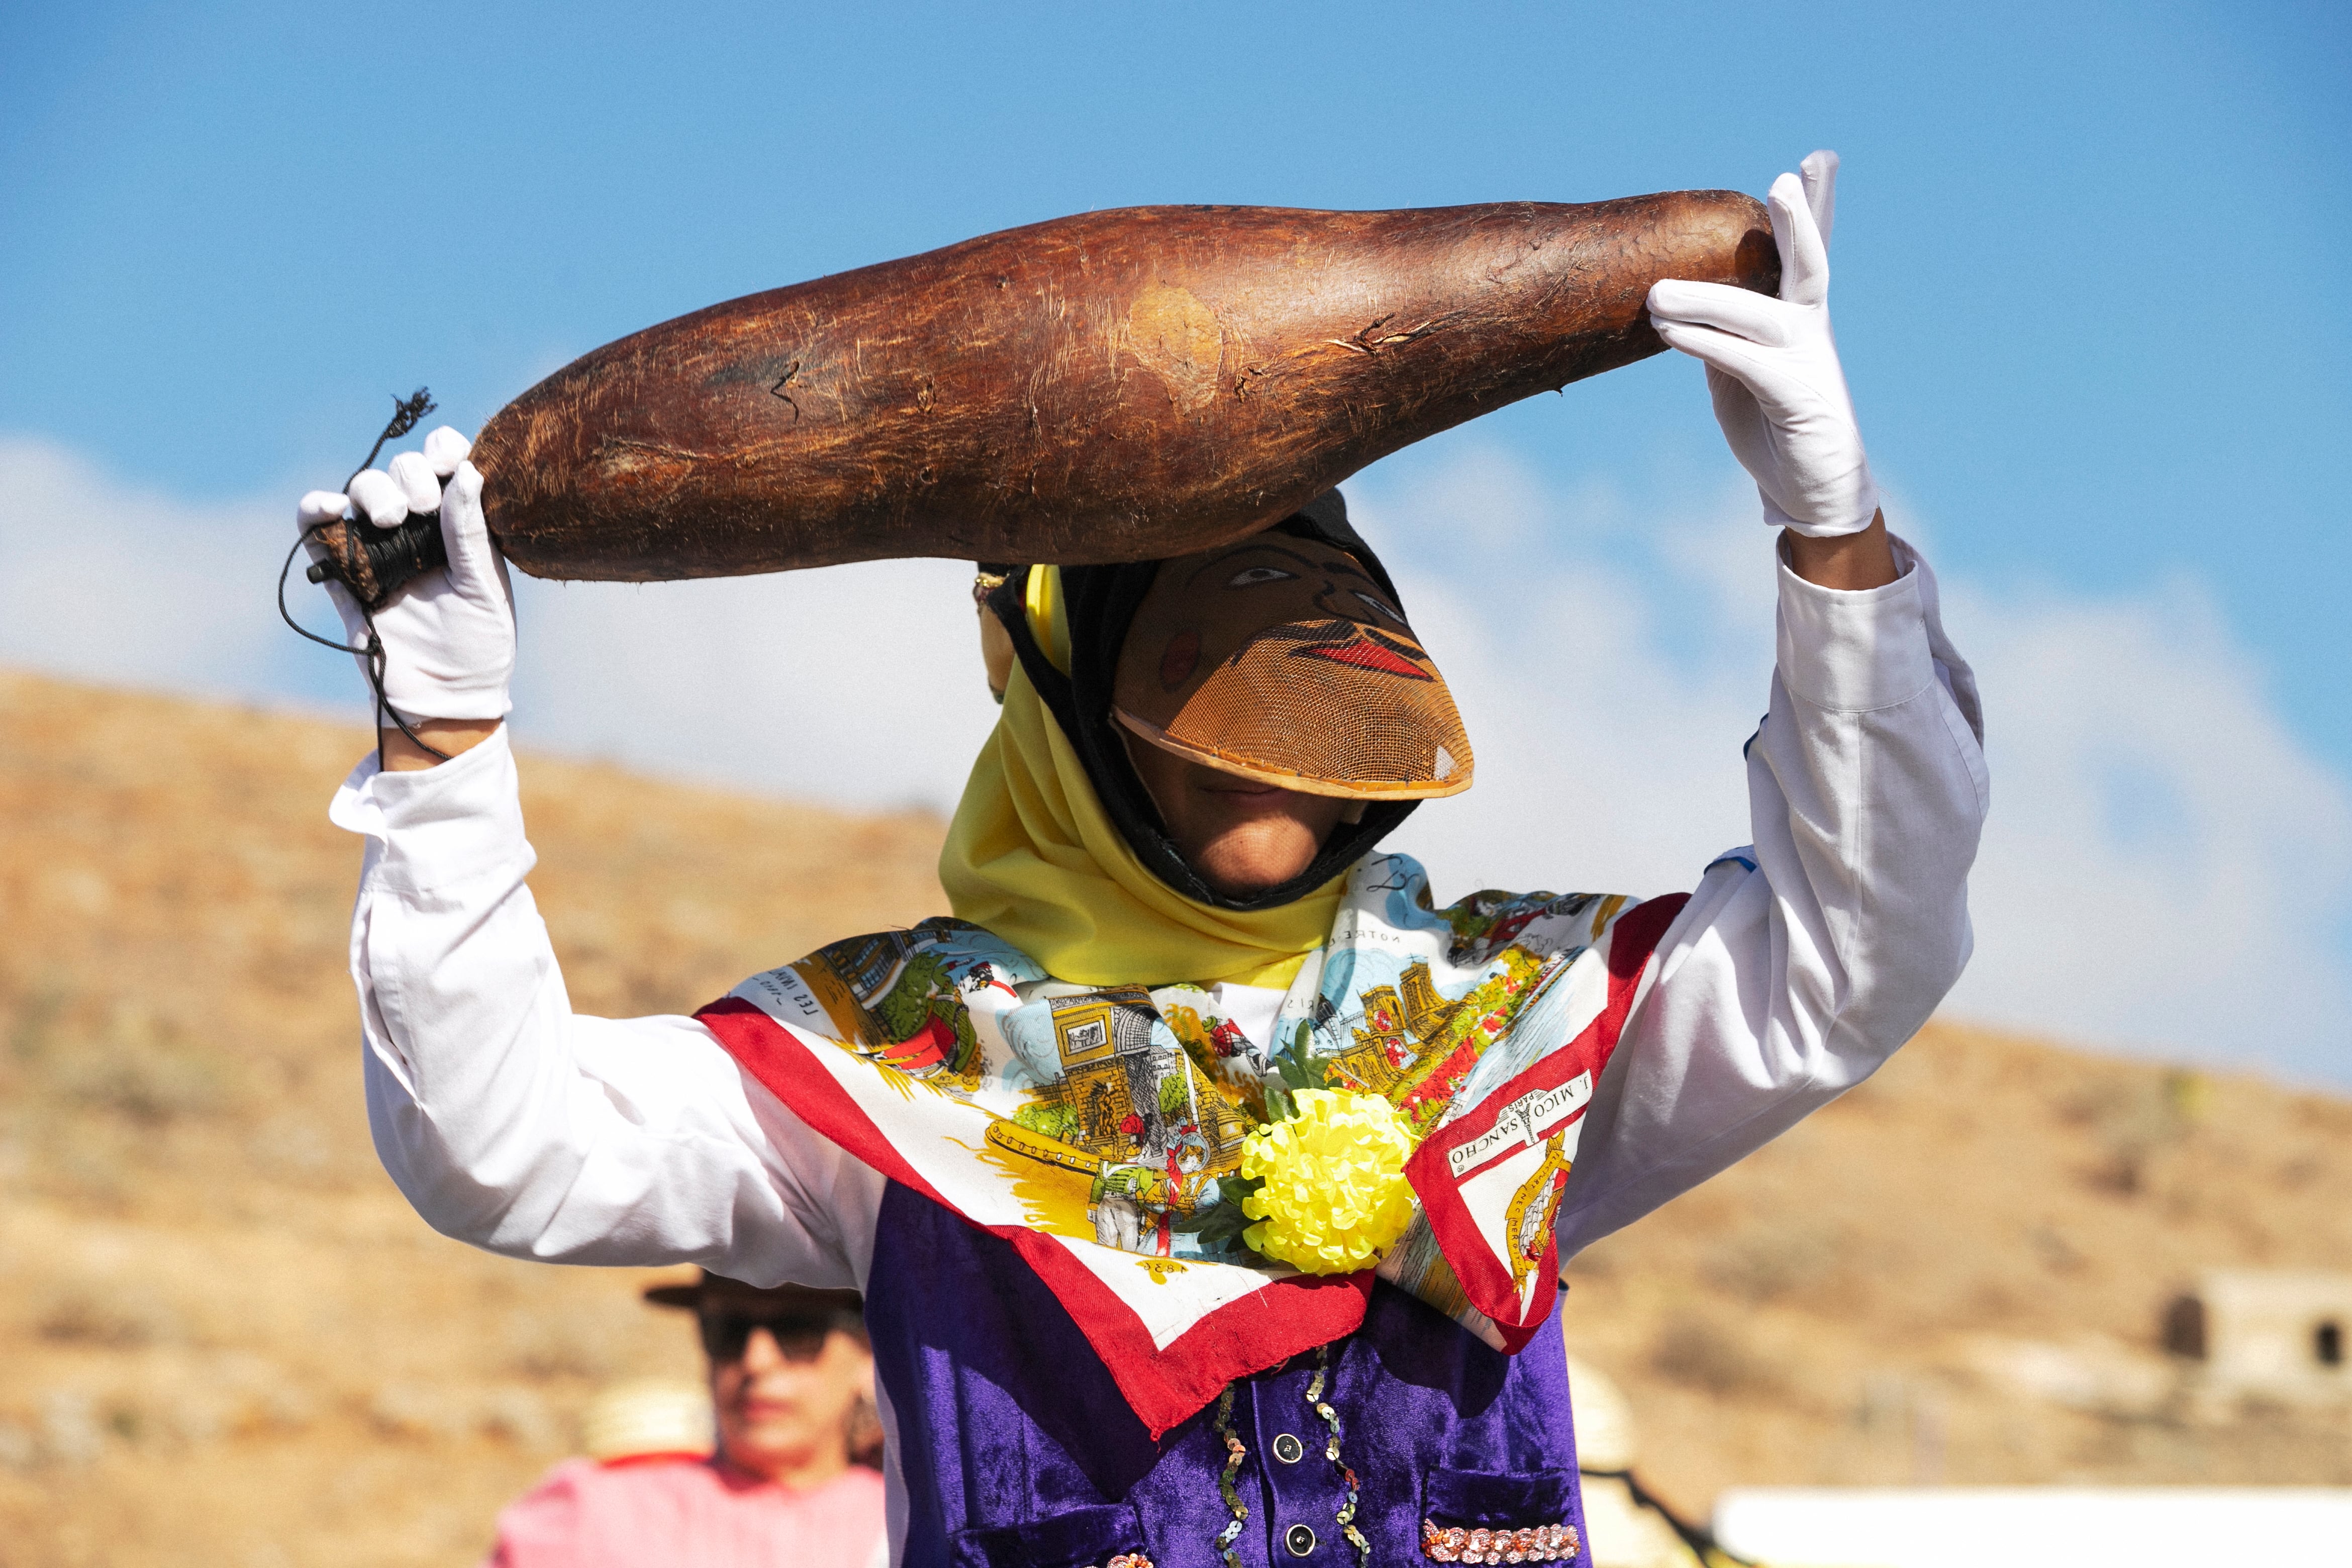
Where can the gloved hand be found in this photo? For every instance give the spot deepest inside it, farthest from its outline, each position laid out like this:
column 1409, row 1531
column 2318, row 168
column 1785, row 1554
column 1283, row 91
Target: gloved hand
column 449, row 635
column 1772, row 368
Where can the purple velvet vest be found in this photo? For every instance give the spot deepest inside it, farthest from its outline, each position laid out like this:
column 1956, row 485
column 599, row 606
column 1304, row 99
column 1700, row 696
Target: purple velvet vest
column 1018, row 1451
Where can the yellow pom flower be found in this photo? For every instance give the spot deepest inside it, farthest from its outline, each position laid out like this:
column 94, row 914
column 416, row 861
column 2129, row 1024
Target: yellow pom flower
column 1335, row 1196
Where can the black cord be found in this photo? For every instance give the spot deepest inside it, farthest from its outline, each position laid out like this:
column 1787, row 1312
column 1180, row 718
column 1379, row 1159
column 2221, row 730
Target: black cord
column 372, row 651
column 407, row 412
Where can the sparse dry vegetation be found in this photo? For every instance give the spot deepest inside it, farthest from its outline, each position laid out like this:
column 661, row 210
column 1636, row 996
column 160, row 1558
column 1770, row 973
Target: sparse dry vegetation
column 1958, row 1273
column 225, row 1339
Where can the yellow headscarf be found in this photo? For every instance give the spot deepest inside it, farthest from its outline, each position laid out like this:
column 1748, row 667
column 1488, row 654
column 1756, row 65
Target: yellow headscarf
column 1032, row 857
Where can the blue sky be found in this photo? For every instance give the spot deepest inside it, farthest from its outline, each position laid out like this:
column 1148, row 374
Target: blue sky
column 2091, row 265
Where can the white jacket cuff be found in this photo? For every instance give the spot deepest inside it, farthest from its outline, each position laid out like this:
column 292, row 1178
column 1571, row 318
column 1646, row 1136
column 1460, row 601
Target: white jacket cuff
column 1849, row 651
column 440, row 827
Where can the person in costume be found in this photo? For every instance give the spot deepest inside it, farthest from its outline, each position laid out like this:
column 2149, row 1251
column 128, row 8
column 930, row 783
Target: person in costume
column 1206, row 1177
column 790, row 1370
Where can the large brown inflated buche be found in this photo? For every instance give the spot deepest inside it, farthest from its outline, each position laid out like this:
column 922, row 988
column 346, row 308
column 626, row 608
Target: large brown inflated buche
column 1115, row 386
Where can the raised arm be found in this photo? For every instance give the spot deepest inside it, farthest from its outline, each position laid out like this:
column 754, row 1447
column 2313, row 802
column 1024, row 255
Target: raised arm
column 506, row 1119
column 1805, row 960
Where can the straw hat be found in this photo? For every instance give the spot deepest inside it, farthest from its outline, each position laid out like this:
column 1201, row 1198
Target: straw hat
column 649, row 1418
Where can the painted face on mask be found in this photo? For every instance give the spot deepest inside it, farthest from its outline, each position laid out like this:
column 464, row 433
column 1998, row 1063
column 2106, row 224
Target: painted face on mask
column 1280, row 659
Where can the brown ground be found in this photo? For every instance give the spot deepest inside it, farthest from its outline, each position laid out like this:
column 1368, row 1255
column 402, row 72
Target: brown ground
column 225, row 1339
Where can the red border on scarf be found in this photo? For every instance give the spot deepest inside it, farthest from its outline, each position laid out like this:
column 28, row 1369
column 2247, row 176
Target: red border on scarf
column 1633, row 939
column 1280, row 1318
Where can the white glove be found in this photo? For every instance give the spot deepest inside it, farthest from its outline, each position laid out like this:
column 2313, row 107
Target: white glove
column 1772, row 368
column 450, row 634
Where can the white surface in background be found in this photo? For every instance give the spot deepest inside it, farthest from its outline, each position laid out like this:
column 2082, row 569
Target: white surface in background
column 1606, row 1437
column 2036, row 1527
column 2166, row 865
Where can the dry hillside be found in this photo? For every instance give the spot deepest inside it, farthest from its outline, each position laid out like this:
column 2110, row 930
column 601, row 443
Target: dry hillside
column 223, row 1339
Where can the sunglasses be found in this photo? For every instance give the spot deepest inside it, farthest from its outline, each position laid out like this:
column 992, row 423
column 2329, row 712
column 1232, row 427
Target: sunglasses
column 800, row 1336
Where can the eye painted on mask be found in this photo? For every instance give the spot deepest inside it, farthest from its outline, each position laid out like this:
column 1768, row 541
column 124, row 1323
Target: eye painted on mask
column 1251, row 576
column 1380, row 606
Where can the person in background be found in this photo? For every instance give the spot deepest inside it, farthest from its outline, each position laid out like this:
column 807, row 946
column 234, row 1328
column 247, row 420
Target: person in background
column 791, row 1482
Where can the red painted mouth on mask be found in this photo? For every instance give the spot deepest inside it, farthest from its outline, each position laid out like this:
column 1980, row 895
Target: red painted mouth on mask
column 1180, row 659
column 1365, row 654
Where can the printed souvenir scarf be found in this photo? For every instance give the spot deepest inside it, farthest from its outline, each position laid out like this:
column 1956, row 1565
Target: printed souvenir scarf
column 1101, row 1128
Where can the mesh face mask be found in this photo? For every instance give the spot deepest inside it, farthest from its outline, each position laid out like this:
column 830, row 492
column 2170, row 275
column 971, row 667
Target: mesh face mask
column 1104, row 604
column 1280, row 659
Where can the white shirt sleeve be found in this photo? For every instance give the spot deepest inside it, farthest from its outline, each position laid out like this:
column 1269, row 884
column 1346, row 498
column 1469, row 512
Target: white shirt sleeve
column 511, row 1121
column 1802, row 963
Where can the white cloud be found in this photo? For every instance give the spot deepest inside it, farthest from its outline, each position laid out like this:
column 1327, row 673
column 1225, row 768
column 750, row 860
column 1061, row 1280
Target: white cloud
column 861, row 684
column 2167, row 867
column 106, row 581
column 2167, row 862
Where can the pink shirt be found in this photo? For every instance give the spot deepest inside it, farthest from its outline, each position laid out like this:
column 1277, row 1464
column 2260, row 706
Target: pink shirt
column 586, row 1515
